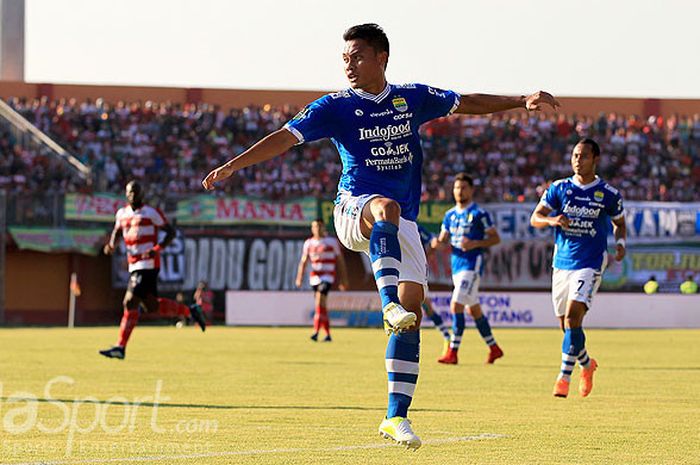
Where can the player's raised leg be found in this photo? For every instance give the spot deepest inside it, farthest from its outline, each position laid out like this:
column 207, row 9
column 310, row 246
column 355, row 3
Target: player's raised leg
column 402, row 357
column 380, row 222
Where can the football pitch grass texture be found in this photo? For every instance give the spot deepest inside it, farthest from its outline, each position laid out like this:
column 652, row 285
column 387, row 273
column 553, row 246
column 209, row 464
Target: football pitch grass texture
column 269, row 395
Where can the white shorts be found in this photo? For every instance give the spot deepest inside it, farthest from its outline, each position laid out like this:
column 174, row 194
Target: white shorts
column 578, row 285
column 466, row 291
column 347, row 216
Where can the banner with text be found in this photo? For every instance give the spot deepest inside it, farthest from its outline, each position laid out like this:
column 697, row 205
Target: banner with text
column 506, row 309
column 84, row 241
column 206, row 209
column 95, row 207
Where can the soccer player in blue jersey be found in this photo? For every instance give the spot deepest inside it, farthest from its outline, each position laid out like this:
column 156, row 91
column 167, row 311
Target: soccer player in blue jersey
column 374, row 125
column 426, row 238
column 469, row 231
column 580, row 210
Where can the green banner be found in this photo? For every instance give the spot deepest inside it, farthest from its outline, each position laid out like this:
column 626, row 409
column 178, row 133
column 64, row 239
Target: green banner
column 85, row 241
column 205, row 209
column 95, row 207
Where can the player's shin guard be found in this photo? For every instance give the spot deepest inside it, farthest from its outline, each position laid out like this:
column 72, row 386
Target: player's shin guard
column 457, row 330
column 129, row 320
column 402, row 367
column 385, row 253
column 571, row 347
column 482, row 324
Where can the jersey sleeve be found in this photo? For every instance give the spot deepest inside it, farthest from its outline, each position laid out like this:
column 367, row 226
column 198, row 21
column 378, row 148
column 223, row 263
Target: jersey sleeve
column 158, row 217
column 615, row 209
column 485, row 220
column 436, row 103
column 313, row 122
column 445, row 224
column 550, row 198
column 305, row 248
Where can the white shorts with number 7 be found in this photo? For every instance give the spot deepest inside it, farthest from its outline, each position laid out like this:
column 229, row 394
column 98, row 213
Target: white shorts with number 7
column 579, row 285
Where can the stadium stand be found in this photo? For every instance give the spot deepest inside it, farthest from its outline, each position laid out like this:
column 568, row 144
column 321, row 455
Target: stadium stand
column 170, row 146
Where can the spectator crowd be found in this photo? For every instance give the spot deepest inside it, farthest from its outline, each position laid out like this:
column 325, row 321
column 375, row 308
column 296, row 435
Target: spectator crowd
column 170, row 147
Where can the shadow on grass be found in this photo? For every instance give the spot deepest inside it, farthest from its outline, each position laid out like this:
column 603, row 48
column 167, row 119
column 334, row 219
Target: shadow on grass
column 214, row 406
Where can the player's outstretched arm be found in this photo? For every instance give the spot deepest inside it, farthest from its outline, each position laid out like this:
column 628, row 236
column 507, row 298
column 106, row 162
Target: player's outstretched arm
column 441, row 240
column 492, row 238
column 480, row 104
column 268, row 147
column 540, row 218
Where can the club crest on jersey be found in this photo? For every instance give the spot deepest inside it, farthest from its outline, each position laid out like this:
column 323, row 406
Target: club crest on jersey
column 598, row 196
column 400, row 104
column 469, row 218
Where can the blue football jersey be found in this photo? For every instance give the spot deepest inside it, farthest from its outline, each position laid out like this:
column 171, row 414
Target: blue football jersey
column 377, row 137
column 590, row 209
column 472, row 223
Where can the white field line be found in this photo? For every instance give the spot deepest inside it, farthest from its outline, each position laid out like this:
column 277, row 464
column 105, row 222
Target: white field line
column 429, row 442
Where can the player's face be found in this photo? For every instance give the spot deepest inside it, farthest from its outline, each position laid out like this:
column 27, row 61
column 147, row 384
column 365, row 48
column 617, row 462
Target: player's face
column 317, row 229
column 583, row 161
column 134, row 195
column 363, row 65
column 462, row 192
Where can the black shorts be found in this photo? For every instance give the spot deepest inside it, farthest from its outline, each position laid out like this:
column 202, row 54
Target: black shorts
column 323, row 287
column 143, row 283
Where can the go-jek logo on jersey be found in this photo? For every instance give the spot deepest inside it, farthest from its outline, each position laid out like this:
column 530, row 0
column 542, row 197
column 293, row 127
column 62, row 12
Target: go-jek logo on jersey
column 390, row 150
column 387, row 133
column 581, row 212
column 400, row 104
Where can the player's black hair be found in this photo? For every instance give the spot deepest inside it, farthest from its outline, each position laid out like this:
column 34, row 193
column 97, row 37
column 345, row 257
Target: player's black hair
column 592, row 144
column 464, row 177
column 371, row 33
column 319, row 220
column 135, row 185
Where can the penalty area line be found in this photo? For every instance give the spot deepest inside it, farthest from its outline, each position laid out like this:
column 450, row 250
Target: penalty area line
column 429, row 442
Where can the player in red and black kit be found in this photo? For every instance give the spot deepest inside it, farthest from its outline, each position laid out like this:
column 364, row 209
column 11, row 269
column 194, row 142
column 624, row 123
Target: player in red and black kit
column 139, row 224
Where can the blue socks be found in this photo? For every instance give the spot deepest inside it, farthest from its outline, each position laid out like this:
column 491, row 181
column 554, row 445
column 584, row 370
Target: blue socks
column 457, row 330
column 440, row 325
column 402, row 354
column 385, row 254
column 482, row 324
column 572, row 347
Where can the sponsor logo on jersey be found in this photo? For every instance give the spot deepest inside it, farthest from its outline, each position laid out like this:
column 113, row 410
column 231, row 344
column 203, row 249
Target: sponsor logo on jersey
column 401, row 116
column 386, row 133
column 303, row 114
column 386, row 112
column 435, row 92
column 390, row 149
column 581, row 212
column 359, row 112
column 400, row 104
column 598, row 196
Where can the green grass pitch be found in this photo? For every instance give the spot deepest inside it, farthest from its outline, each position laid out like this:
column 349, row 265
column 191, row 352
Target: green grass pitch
column 269, row 395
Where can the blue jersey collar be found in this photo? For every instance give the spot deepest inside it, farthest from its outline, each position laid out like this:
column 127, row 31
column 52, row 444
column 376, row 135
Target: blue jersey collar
column 375, row 98
column 585, row 186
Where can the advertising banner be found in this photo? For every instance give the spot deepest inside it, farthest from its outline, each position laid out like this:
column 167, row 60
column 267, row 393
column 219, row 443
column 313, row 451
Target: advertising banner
column 95, row 207
column 84, row 241
column 252, row 263
column 207, row 209
column 506, row 309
